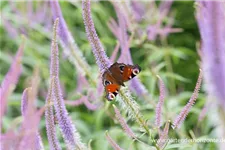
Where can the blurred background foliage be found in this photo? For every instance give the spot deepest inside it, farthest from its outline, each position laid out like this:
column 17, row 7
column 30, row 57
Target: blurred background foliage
column 180, row 48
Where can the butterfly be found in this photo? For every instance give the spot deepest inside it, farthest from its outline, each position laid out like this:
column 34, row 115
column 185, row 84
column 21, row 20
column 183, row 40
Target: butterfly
column 115, row 76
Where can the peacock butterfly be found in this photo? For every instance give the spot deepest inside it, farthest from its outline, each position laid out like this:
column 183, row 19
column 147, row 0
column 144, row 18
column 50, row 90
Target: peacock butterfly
column 116, row 75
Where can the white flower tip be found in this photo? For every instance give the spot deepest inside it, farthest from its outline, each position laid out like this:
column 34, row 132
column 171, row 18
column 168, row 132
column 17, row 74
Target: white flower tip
column 114, row 106
column 173, row 126
column 23, row 37
column 158, row 77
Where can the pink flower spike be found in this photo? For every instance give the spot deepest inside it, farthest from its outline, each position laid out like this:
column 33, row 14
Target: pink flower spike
column 204, row 111
column 13, row 33
column 76, row 102
column 70, row 48
column 89, row 105
column 112, row 142
column 158, row 110
column 138, row 9
column 164, row 7
column 101, row 58
column 42, row 13
column 63, row 31
column 82, row 100
column 120, row 32
column 31, row 139
column 163, row 136
column 115, row 52
column 181, row 117
column 123, row 123
column 9, row 140
column 11, row 79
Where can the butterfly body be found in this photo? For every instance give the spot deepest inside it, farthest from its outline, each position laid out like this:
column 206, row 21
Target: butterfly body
column 115, row 76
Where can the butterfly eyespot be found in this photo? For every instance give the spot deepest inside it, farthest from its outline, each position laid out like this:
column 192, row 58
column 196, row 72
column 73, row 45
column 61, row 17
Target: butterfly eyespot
column 135, row 71
column 111, row 96
column 121, row 67
column 106, row 82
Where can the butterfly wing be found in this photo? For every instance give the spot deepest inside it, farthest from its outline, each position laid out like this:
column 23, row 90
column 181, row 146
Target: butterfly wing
column 111, row 84
column 115, row 72
column 116, row 75
column 130, row 72
column 111, row 91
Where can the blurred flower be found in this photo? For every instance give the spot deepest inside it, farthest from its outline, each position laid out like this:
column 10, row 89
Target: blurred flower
column 115, row 52
column 12, row 31
column 81, row 83
column 112, row 142
column 39, row 16
column 165, row 6
column 156, row 19
column 31, row 138
column 183, row 114
column 11, row 79
column 69, row 45
column 156, row 29
column 82, row 100
column 120, row 32
column 138, row 10
column 210, row 17
column 204, row 111
column 27, row 137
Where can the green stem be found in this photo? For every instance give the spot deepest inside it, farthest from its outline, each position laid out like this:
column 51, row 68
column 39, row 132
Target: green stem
column 82, row 65
column 139, row 118
column 169, row 68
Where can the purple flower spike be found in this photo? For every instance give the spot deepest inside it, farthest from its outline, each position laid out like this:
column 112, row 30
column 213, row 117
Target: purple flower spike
column 123, row 123
column 115, row 52
column 163, row 136
column 54, row 65
column 158, row 111
column 81, row 83
column 164, row 7
column 24, row 101
column 11, row 79
column 82, row 100
column 70, row 135
column 210, row 17
column 31, row 137
column 97, row 48
column 204, row 111
column 49, row 119
column 64, row 33
column 12, row 32
column 181, row 117
column 71, row 50
column 138, row 10
column 112, row 142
